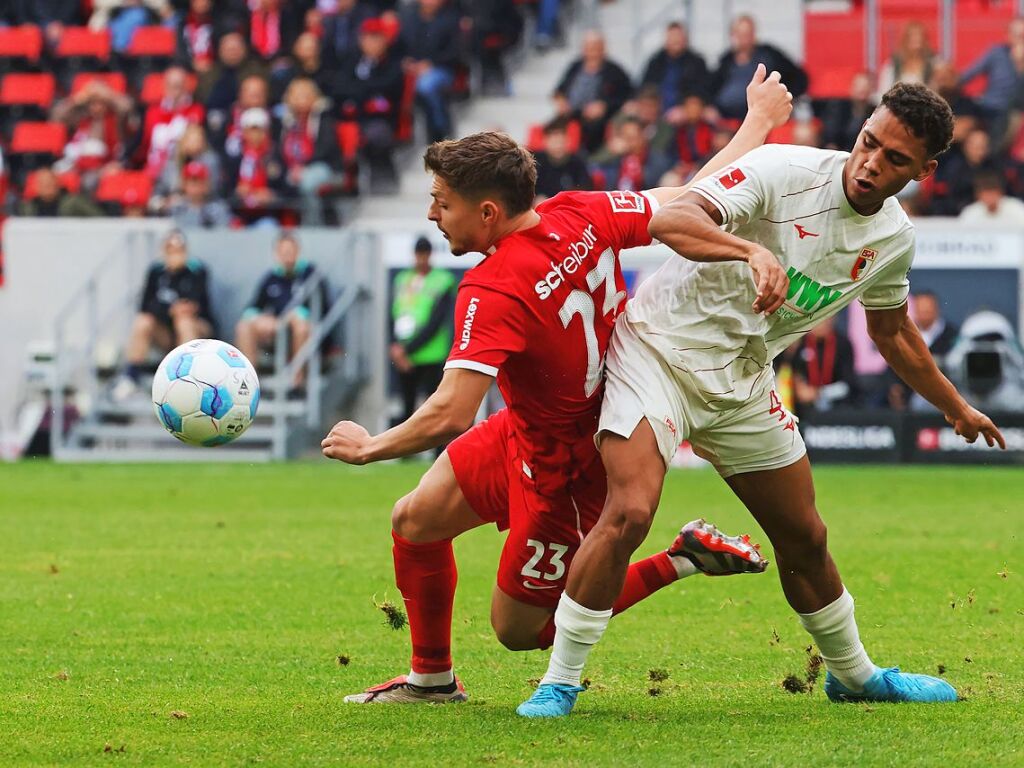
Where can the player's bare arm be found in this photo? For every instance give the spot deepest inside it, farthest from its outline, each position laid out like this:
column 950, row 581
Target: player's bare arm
column 900, row 343
column 690, row 226
column 769, row 104
column 447, row 413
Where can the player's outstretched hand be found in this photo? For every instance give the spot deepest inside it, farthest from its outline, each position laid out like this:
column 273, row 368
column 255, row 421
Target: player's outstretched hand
column 972, row 423
column 346, row 442
column 768, row 98
column 771, row 280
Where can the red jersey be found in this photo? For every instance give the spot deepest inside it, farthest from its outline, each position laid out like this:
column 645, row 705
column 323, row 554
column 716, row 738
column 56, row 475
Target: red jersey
column 538, row 313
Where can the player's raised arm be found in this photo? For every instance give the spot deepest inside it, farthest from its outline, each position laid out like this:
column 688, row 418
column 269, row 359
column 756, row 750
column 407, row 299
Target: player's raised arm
column 769, row 104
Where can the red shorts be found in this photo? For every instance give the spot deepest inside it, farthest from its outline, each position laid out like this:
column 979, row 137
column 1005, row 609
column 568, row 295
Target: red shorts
column 544, row 531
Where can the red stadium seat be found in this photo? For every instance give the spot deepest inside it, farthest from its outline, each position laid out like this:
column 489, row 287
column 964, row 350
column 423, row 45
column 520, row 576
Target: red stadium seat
column 118, row 187
column 25, row 42
column 833, row 51
column 573, row 137
column 114, row 80
column 70, row 180
column 39, row 138
column 404, row 131
column 82, row 42
column 28, row 90
column 152, row 41
column 349, row 139
column 153, row 87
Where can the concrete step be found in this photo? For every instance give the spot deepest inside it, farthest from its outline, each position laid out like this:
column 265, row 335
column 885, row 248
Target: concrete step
column 225, row 454
column 144, row 433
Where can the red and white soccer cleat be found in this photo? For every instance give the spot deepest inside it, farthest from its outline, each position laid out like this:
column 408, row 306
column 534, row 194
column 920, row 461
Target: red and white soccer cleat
column 400, row 691
column 715, row 553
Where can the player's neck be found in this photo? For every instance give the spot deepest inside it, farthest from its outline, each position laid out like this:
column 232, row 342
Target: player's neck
column 525, row 220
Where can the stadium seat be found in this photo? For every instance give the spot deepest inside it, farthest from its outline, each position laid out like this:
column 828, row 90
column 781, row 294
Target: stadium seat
column 70, row 180
column 404, row 131
column 33, row 145
column 20, row 44
column 349, row 138
column 84, row 43
column 151, row 50
column 573, row 137
column 159, row 42
column 38, row 138
column 28, row 90
column 116, row 187
column 114, row 80
column 833, row 51
column 153, row 87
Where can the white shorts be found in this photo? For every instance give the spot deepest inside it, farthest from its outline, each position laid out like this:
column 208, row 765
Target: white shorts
column 759, row 434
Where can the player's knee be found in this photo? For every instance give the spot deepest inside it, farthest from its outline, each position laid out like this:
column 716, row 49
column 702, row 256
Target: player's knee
column 628, row 522
column 145, row 323
column 512, row 634
column 411, row 520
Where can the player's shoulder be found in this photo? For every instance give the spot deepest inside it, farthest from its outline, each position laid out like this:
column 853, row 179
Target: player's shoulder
column 900, row 229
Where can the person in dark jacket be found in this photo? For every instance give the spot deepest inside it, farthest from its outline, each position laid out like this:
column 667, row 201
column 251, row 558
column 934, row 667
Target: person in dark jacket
column 371, row 94
column 676, row 70
column 843, row 118
column 340, row 39
column 175, row 309
column 592, row 89
column 737, row 65
column 52, row 200
column 257, row 330
column 558, row 169
column 308, row 146
column 430, row 45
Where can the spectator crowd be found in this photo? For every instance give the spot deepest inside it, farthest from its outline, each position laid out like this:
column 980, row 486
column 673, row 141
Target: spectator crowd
column 232, row 111
column 610, row 132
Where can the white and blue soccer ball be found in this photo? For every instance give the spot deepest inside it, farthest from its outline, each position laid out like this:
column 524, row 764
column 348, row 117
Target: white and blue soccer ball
column 206, row 392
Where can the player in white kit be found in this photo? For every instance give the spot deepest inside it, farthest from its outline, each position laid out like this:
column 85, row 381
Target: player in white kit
column 691, row 359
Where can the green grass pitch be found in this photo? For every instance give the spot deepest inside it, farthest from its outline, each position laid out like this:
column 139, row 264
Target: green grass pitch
column 164, row 616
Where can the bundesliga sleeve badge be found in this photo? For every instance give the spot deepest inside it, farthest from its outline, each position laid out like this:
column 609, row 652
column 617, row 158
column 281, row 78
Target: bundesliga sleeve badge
column 624, row 201
column 731, row 178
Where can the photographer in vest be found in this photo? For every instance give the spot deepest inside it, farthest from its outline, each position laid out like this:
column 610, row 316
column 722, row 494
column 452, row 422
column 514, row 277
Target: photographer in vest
column 421, row 332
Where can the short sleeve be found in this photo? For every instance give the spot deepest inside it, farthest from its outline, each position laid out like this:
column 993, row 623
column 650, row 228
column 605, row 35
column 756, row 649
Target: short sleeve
column 488, row 328
column 621, row 215
column 741, row 192
column 891, row 286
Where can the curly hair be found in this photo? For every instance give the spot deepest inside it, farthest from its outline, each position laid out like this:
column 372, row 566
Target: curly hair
column 486, row 164
column 924, row 112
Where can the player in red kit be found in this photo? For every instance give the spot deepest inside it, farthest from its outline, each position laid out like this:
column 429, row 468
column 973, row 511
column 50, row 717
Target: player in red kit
column 537, row 314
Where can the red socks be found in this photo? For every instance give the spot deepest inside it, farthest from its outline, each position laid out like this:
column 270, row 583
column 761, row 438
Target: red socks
column 426, row 577
column 643, row 579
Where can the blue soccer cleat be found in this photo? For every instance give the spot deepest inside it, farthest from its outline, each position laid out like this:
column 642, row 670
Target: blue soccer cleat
column 892, row 685
column 550, row 700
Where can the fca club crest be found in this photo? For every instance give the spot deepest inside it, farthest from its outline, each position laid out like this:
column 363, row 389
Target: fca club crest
column 861, row 264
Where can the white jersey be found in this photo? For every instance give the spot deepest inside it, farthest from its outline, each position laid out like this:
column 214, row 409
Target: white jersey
column 789, row 199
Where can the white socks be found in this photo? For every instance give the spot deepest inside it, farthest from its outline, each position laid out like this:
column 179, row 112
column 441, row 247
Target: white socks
column 835, row 632
column 431, row 679
column 578, row 630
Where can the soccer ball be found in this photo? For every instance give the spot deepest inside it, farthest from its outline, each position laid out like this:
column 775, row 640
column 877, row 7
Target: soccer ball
column 206, row 393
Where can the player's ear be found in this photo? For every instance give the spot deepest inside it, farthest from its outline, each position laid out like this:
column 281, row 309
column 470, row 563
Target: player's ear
column 927, row 170
column 488, row 211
